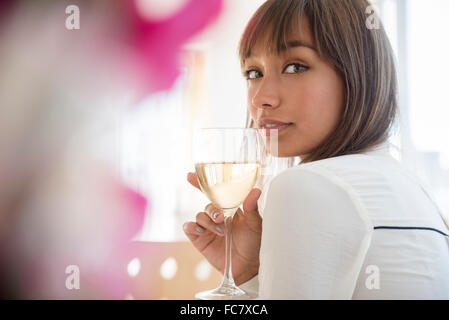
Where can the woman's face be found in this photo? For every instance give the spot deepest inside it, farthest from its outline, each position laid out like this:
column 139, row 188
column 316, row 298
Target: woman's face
column 296, row 88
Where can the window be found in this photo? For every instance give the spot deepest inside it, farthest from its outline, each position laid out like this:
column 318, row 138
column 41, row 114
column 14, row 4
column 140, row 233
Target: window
column 415, row 29
column 428, row 67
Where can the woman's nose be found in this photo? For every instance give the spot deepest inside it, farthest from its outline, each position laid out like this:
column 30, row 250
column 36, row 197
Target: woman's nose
column 267, row 96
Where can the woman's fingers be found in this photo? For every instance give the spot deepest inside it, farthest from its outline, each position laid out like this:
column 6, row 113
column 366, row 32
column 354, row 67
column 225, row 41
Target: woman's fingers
column 192, row 230
column 214, row 213
column 193, row 180
column 203, row 220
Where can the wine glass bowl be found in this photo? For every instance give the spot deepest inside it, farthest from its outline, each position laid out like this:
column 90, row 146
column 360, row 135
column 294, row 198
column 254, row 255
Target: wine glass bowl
column 227, row 183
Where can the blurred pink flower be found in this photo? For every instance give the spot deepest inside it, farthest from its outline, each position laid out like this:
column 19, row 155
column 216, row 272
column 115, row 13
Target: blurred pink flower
column 158, row 43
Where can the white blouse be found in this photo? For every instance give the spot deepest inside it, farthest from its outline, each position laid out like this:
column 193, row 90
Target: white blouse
column 351, row 227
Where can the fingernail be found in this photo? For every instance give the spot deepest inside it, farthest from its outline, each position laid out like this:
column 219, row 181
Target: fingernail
column 220, row 229
column 215, row 215
column 199, row 229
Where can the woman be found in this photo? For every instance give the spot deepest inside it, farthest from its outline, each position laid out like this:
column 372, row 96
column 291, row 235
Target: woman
column 348, row 222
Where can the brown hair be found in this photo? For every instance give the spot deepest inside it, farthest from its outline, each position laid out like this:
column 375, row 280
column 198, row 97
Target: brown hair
column 362, row 56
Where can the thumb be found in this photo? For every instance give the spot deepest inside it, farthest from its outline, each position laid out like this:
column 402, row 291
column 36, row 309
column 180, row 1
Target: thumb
column 193, row 180
column 250, row 206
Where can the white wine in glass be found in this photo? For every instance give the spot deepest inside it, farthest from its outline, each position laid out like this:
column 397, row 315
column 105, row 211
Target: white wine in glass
column 227, row 184
column 227, row 164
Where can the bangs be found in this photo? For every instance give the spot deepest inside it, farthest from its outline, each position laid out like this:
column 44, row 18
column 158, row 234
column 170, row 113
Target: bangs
column 270, row 26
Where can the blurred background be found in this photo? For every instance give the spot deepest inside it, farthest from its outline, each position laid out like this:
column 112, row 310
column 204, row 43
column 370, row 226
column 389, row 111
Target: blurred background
column 122, row 96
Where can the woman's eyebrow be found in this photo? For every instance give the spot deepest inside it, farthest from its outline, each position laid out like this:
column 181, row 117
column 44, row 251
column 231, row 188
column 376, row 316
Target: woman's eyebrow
column 290, row 44
column 297, row 43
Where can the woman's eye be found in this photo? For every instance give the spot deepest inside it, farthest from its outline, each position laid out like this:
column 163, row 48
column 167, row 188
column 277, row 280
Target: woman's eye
column 251, row 74
column 295, row 67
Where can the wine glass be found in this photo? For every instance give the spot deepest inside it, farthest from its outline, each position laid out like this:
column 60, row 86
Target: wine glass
column 227, row 164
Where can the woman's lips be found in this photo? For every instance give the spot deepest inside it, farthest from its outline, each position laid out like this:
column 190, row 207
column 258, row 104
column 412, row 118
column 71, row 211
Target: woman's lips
column 280, row 128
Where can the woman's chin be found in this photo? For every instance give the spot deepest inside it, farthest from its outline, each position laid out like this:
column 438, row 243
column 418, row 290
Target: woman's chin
column 283, row 153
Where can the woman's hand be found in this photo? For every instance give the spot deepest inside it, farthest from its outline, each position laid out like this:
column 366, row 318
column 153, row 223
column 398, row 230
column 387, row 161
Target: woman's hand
column 207, row 235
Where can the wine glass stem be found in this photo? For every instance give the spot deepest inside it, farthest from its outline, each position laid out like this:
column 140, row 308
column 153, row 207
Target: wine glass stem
column 228, row 280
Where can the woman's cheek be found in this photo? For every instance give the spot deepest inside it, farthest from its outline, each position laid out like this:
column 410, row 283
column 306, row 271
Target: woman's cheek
column 312, row 117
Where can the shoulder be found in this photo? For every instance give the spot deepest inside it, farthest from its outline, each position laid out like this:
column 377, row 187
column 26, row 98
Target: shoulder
column 316, row 196
column 328, row 177
column 374, row 166
column 359, row 175
column 311, row 181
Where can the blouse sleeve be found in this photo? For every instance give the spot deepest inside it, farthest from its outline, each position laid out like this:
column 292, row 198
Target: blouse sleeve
column 315, row 237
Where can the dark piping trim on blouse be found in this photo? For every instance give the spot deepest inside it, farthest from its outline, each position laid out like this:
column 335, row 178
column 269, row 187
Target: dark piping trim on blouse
column 413, row 228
